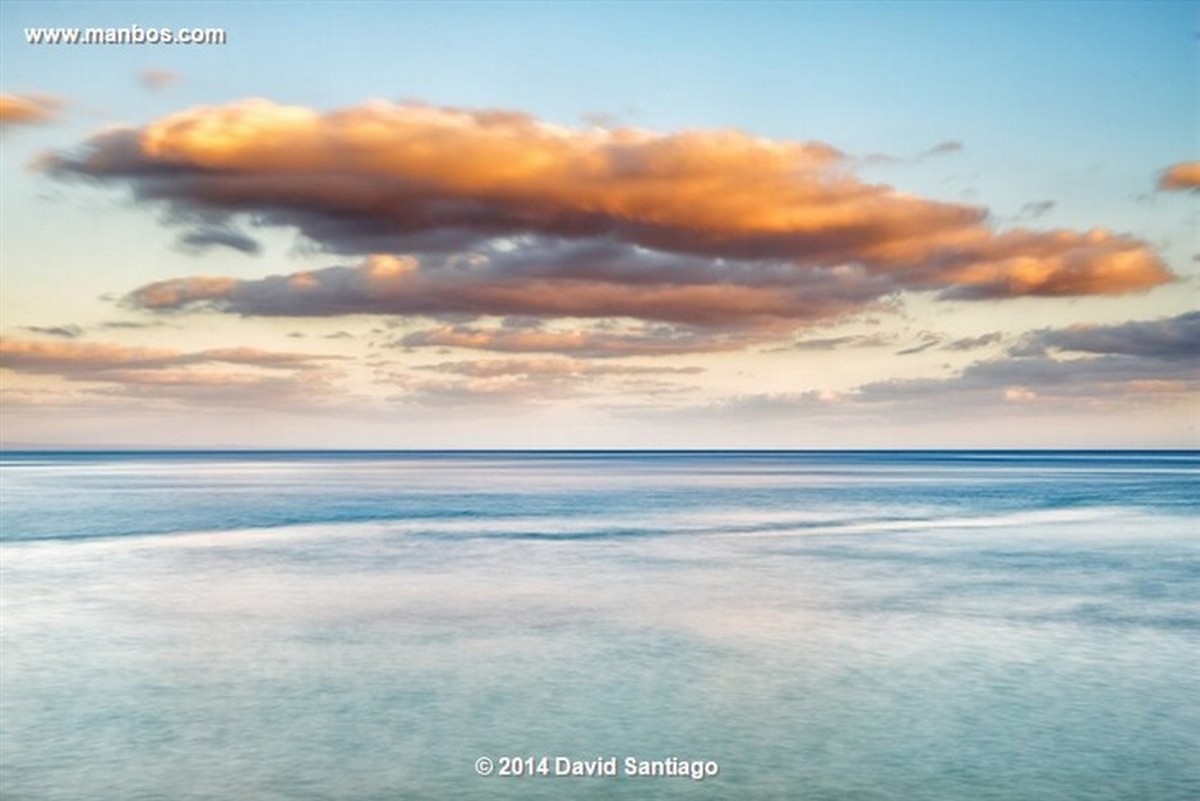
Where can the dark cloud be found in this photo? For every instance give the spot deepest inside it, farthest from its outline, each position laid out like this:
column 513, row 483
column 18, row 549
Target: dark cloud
column 1026, row 379
column 940, row 149
column 1136, row 359
column 132, row 324
column 944, row 148
column 1173, row 338
column 928, row 340
column 837, row 343
column 974, row 343
column 993, row 387
column 70, row 331
column 1035, row 209
column 206, row 238
column 548, row 280
column 1137, row 363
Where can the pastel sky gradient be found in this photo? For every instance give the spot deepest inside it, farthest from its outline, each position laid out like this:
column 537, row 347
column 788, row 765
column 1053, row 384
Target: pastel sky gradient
column 617, row 225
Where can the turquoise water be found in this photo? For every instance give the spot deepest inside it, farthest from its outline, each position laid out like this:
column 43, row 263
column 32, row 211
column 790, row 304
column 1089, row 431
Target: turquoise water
column 820, row 625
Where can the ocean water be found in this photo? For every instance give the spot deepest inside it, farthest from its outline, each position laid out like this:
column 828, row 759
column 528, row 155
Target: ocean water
column 820, row 626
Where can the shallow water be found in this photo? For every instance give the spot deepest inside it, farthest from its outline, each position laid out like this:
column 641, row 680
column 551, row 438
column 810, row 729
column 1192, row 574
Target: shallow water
column 822, row 626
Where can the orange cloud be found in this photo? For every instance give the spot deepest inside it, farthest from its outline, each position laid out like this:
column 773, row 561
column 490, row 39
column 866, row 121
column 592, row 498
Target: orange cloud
column 159, row 374
column 84, row 358
column 27, row 109
column 1181, row 177
column 166, row 294
column 153, row 78
column 106, row 361
column 424, row 180
column 62, row 357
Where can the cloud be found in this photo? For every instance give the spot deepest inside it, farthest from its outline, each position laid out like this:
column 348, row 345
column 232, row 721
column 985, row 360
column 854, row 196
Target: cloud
column 1181, row 177
column 986, row 389
column 837, row 343
column 541, row 280
column 1106, row 368
column 132, row 325
column 509, row 394
column 27, row 109
column 582, row 343
column 528, row 381
column 70, row 331
column 974, row 343
column 87, row 359
column 157, row 78
column 1103, row 379
column 551, row 367
column 708, row 228
column 783, row 404
column 1171, row 339
column 940, row 149
column 205, row 238
column 943, row 149
column 1140, row 360
column 161, row 375
column 1035, row 209
column 928, row 340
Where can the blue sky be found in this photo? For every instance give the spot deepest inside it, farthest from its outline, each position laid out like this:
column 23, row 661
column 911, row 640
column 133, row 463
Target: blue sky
column 1041, row 117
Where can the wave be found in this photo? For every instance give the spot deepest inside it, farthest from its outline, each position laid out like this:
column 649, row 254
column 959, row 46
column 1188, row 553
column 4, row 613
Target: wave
column 452, row 525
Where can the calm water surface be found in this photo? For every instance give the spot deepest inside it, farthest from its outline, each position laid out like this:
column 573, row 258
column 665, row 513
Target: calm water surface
column 822, row 625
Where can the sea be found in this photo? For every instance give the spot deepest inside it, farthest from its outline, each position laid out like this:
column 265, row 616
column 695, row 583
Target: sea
column 809, row 626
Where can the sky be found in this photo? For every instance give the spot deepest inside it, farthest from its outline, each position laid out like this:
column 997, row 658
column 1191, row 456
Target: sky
column 602, row 225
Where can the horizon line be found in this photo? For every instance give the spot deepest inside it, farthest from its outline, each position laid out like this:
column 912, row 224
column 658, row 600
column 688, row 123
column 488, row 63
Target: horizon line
column 144, row 449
